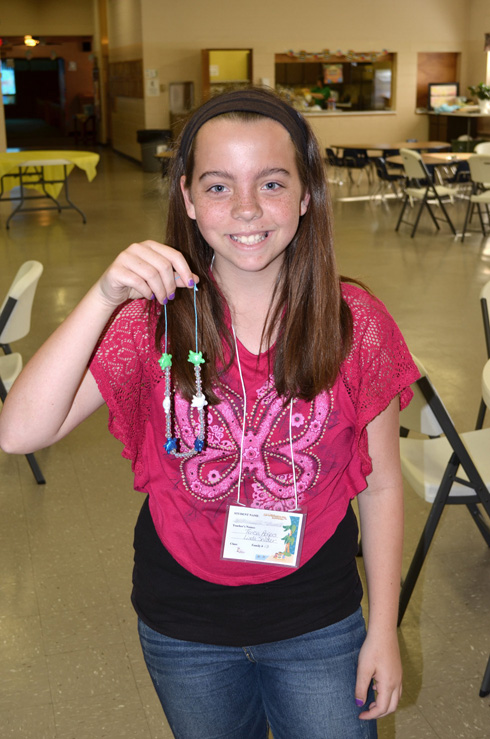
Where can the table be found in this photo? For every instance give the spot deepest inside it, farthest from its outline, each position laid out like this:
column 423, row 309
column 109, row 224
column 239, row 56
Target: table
column 385, row 146
column 446, row 159
column 45, row 171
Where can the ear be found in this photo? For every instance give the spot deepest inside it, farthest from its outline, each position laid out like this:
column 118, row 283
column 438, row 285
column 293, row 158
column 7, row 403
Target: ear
column 186, row 193
column 304, row 203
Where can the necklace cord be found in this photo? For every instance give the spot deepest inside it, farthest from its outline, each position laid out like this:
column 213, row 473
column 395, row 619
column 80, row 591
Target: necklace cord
column 244, row 416
column 243, row 431
column 292, row 453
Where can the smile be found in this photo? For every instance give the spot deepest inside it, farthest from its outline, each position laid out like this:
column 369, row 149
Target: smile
column 249, row 240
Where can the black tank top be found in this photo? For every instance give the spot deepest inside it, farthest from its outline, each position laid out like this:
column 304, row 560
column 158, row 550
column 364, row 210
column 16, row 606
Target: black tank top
column 176, row 603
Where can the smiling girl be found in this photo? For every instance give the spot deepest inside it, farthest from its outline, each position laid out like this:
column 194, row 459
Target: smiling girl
column 254, row 409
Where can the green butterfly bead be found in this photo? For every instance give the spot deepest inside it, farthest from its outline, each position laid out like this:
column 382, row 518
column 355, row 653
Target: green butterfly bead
column 196, row 358
column 165, row 361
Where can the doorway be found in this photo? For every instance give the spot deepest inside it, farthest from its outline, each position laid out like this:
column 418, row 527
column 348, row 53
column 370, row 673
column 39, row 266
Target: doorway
column 53, row 84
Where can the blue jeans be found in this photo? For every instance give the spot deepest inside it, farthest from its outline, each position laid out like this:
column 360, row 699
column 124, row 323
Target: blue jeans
column 303, row 688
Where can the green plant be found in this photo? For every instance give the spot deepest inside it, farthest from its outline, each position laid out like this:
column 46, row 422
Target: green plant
column 481, row 91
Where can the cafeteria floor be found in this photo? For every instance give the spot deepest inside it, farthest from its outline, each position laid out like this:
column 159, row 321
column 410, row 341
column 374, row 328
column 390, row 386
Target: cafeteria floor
column 70, row 662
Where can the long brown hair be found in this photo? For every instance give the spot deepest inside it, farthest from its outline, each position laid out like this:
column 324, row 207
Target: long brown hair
column 314, row 323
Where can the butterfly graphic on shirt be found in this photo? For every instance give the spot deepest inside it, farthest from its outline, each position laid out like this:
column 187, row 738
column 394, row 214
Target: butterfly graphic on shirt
column 267, row 474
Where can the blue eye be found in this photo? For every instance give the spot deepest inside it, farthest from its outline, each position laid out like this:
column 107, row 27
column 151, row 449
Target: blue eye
column 272, row 186
column 217, row 188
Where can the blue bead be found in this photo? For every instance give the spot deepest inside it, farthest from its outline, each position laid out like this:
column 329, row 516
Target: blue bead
column 170, row 445
column 198, row 445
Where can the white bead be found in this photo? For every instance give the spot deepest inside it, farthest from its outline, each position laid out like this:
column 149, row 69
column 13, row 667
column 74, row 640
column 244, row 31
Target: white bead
column 166, row 404
column 199, row 401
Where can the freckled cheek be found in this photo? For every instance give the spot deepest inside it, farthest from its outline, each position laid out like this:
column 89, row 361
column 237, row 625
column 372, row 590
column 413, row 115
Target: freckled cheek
column 209, row 216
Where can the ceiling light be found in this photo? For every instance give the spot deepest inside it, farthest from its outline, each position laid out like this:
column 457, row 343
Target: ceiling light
column 29, row 41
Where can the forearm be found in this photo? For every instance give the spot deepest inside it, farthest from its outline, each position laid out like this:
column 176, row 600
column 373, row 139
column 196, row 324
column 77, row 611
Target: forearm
column 381, row 514
column 40, row 401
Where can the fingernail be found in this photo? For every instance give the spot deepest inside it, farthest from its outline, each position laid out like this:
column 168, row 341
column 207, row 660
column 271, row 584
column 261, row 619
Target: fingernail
column 191, row 283
column 359, row 702
column 152, row 296
column 165, row 301
column 171, row 297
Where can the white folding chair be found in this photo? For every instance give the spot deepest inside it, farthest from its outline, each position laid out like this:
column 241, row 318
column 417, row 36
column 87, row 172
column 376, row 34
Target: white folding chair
column 479, row 165
column 16, row 309
column 483, row 148
column 421, row 187
column 444, row 468
column 15, row 323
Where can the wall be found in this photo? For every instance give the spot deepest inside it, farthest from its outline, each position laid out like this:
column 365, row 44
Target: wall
column 127, row 114
column 478, row 26
column 170, row 35
column 46, row 18
column 174, row 34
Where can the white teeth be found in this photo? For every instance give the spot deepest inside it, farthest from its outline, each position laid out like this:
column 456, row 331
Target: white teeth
column 250, row 240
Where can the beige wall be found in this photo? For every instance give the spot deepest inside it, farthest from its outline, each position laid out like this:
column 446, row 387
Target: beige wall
column 174, row 33
column 479, row 25
column 46, row 17
column 169, row 37
column 126, row 44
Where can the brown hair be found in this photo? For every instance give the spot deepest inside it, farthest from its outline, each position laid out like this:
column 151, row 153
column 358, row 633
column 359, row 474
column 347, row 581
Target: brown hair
column 314, row 323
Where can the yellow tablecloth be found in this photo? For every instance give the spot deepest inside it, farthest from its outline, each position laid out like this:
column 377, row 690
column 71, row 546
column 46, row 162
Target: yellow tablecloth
column 9, row 161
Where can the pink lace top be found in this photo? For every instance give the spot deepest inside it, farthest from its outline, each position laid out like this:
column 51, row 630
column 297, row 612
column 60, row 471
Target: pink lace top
column 188, row 498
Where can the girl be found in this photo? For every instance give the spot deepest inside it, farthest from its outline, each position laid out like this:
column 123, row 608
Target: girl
column 253, row 408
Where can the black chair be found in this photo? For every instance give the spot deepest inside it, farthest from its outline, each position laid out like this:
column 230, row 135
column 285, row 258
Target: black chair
column 459, row 174
column 485, row 686
column 357, row 159
column 336, row 163
column 386, row 178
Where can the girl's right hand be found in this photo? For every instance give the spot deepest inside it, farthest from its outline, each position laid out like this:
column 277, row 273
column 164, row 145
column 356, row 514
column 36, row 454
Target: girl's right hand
column 145, row 270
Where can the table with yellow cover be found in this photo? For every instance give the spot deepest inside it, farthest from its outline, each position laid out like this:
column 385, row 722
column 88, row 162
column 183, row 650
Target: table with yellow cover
column 47, row 173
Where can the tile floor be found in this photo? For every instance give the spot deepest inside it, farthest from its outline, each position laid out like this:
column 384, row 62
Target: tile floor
column 70, row 664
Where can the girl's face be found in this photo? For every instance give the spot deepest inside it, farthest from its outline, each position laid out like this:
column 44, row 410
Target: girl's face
column 246, row 194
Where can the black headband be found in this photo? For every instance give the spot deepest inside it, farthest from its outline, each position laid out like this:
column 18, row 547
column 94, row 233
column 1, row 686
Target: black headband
column 247, row 101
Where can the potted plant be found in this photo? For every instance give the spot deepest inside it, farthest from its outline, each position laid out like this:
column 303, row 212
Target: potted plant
column 482, row 92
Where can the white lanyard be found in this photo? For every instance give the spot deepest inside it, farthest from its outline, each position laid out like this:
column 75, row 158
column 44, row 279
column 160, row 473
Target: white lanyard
column 258, row 535
column 244, row 421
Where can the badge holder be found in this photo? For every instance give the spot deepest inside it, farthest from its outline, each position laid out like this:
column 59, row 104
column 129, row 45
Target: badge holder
column 263, row 536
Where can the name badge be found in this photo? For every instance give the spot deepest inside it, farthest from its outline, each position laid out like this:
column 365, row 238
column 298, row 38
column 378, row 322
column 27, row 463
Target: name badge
column 263, row 536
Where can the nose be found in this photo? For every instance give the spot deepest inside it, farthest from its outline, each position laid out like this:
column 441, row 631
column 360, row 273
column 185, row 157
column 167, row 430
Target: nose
column 246, row 205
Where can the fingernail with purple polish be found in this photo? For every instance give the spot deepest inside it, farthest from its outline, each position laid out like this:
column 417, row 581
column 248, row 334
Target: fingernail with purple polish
column 359, row 702
column 152, row 296
column 165, row 301
column 191, row 283
column 171, row 297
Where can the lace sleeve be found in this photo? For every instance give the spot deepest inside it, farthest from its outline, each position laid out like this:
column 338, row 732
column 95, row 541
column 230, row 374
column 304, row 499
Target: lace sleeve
column 379, row 365
column 124, row 373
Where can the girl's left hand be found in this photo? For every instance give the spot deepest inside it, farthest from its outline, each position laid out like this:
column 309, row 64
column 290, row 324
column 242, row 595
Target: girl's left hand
column 379, row 660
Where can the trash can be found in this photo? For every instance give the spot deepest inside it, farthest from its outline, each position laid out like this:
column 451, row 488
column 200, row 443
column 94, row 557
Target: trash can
column 465, row 144
column 150, row 140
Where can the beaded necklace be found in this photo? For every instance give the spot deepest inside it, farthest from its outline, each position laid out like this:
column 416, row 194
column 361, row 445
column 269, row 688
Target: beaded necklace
column 198, row 400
